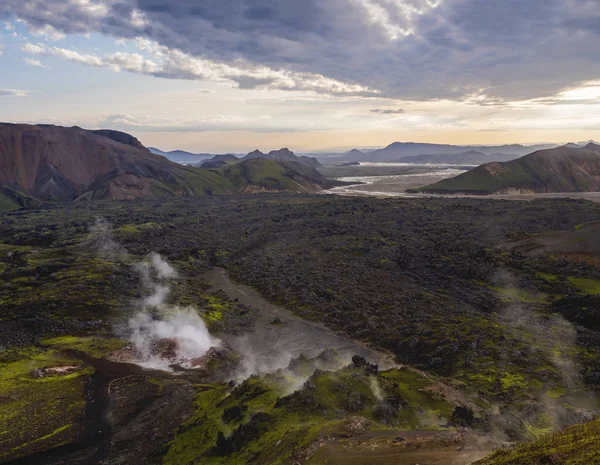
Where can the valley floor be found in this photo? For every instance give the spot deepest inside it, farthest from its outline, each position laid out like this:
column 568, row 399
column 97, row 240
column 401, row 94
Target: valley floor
column 480, row 342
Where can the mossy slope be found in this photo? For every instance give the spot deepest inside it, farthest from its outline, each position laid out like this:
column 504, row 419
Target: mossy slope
column 576, row 445
column 562, row 169
column 257, row 421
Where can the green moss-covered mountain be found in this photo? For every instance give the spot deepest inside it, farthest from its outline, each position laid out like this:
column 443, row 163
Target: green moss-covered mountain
column 563, row 169
column 263, row 175
column 56, row 163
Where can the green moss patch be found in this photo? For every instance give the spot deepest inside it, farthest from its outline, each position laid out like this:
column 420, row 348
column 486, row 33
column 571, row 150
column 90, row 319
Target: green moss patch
column 137, row 228
column 513, row 294
column 577, row 445
column 587, row 285
column 39, row 412
column 258, row 422
column 95, row 346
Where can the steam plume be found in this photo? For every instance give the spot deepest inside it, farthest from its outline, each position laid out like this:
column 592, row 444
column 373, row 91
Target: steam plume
column 165, row 334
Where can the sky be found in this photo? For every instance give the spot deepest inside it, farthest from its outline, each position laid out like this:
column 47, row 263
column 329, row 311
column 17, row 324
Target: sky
column 311, row 75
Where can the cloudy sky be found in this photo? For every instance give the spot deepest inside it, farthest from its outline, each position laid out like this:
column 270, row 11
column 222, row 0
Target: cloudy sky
column 234, row 75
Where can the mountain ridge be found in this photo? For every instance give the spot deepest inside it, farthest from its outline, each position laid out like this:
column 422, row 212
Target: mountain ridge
column 45, row 162
column 283, row 154
column 563, row 169
column 469, row 157
column 398, row 150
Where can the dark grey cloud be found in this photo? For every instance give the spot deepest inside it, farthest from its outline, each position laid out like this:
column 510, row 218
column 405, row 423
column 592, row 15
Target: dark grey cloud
column 503, row 49
column 591, row 24
column 383, row 111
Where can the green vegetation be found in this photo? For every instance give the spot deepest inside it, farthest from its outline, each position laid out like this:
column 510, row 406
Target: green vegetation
column 136, row 228
column 548, row 276
column 585, row 285
column 422, row 279
column 579, row 227
column 14, row 199
column 38, row 410
column 485, row 179
column 268, row 175
column 555, row 170
column 94, row 346
column 260, row 423
column 577, row 445
column 513, row 294
column 589, row 286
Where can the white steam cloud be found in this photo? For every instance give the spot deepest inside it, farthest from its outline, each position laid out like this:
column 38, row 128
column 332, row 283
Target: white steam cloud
column 175, row 339
column 165, row 335
column 102, row 239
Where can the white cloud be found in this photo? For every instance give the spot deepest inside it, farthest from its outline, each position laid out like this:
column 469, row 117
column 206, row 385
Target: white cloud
column 174, row 64
column 34, row 49
column 33, row 62
column 379, row 16
column 73, row 55
column 48, row 31
column 407, row 49
column 151, row 123
column 13, row 93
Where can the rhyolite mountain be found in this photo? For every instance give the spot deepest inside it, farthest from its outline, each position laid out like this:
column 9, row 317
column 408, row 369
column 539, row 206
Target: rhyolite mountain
column 283, row 155
column 563, row 169
column 121, row 137
column 58, row 163
column 45, row 162
column 263, row 175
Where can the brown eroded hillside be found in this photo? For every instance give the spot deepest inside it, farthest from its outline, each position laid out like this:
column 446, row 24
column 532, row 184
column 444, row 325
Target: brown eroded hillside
column 45, row 162
column 59, row 163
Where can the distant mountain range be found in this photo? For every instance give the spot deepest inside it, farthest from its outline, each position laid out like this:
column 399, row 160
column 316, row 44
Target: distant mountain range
column 44, row 162
column 181, row 156
column 281, row 155
column 472, row 157
column 561, row 169
column 442, row 153
column 219, row 161
column 398, row 152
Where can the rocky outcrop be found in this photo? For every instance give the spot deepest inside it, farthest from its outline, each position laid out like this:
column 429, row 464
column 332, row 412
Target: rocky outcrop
column 121, row 137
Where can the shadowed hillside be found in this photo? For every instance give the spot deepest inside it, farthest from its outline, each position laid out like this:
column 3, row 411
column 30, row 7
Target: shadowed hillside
column 577, row 445
column 563, row 169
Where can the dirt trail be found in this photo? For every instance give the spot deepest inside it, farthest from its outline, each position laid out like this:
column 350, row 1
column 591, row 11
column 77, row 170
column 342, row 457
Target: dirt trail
column 405, row 447
column 271, row 346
